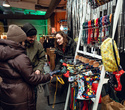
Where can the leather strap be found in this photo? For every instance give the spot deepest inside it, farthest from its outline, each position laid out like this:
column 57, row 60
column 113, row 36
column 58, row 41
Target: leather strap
column 100, row 31
column 86, row 25
column 103, row 29
column 110, row 18
column 84, row 38
column 89, row 32
column 96, row 30
column 92, row 32
column 106, row 27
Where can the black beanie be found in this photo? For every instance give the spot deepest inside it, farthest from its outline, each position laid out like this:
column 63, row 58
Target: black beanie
column 29, row 29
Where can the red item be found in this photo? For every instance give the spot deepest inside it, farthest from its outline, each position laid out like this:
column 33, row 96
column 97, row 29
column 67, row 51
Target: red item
column 64, row 64
column 96, row 30
column 117, row 76
column 71, row 105
column 85, row 106
column 103, row 28
column 94, row 87
column 63, row 49
column 66, row 74
column 89, row 32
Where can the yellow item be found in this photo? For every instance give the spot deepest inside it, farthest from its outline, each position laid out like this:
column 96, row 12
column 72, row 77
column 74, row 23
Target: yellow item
column 107, row 54
column 55, row 94
column 58, row 77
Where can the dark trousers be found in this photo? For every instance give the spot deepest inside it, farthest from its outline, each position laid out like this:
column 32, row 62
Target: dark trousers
column 35, row 90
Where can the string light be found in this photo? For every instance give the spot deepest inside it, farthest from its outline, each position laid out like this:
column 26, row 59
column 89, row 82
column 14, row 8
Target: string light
column 6, row 3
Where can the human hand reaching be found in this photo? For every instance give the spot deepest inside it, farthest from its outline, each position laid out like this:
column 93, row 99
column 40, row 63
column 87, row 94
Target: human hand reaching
column 37, row 72
column 51, row 77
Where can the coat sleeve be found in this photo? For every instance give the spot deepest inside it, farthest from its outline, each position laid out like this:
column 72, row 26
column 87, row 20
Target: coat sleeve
column 23, row 66
column 41, row 57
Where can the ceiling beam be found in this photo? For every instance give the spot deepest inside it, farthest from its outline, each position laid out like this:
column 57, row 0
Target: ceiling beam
column 14, row 16
column 23, row 5
column 53, row 4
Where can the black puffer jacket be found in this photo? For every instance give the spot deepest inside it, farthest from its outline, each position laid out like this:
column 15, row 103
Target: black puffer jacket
column 16, row 89
column 69, row 53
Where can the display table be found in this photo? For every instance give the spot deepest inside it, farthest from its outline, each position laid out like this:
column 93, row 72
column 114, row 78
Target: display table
column 51, row 57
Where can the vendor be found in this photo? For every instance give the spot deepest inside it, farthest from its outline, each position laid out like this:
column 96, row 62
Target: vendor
column 65, row 47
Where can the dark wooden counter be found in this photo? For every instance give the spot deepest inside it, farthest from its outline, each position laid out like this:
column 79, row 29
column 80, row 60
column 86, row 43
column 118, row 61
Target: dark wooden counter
column 51, row 57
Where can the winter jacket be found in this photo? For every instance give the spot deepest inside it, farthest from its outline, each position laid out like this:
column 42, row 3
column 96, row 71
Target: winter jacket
column 69, row 53
column 19, row 80
column 36, row 54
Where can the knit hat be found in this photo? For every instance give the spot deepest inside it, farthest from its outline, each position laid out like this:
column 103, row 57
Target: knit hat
column 15, row 33
column 29, row 29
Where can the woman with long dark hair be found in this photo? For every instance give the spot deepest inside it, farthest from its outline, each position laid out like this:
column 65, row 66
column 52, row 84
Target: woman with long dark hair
column 65, row 47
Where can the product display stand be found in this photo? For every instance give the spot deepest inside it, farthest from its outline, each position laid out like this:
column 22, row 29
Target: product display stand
column 101, row 81
column 94, row 55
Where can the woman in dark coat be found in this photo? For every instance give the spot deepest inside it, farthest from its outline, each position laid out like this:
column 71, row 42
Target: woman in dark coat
column 65, row 47
column 19, row 80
